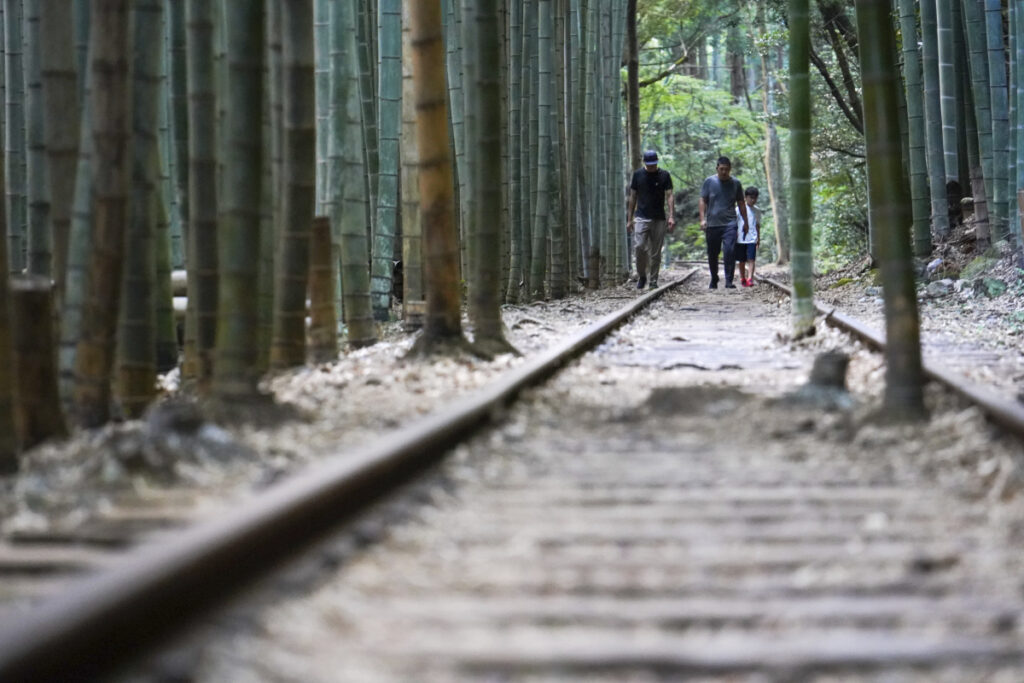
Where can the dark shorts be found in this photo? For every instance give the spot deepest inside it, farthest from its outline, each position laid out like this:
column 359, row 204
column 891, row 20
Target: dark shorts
column 745, row 252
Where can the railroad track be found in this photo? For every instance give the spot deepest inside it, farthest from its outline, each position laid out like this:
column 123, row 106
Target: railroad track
column 585, row 554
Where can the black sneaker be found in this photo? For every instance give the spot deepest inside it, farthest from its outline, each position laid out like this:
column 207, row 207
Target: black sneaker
column 641, row 282
column 713, row 285
column 653, row 285
column 729, row 285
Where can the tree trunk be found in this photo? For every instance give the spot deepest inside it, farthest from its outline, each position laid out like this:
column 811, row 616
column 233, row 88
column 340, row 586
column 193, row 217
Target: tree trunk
column 79, row 249
column 350, row 214
column 633, row 86
column 800, row 169
column 389, row 120
column 515, row 98
column 177, row 70
column 300, row 164
column 974, row 25
column 236, row 369
column 14, row 133
column 542, row 209
column 202, row 178
column 413, row 303
column 111, row 101
column 136, row 341
column 60, row 104
column 323, row 327
column 483, row 151
column 998, row 208
column 933, row 120
column 918, row 167
column 40, row 238
column 947, row 88
column 904, row 396
column 8, row 440
column 366, row 40
column 443, row 323
column 38, row 416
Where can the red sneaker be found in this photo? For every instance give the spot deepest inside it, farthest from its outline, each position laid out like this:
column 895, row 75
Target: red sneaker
column 746, row 283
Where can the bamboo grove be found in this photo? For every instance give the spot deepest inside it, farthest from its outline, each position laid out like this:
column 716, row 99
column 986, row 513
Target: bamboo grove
column 279, row 152
column 962, row 70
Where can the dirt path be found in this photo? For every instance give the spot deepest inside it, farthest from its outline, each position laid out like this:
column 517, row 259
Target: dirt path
column 664, row 509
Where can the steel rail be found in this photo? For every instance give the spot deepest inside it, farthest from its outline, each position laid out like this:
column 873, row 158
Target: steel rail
column 107, row 620
column 1007, row 414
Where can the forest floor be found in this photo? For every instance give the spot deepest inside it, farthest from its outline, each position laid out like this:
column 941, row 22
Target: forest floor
column 347, row 403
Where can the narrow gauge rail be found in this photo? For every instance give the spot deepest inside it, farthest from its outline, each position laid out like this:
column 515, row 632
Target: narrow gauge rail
column 1007, row 414
column 104, row 619
column 83, row 623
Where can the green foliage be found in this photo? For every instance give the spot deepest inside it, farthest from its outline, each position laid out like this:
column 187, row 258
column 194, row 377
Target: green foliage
column 692, row 121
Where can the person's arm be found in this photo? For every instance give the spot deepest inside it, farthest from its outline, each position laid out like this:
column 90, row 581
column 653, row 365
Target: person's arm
column 632, row 208
column 701, row 208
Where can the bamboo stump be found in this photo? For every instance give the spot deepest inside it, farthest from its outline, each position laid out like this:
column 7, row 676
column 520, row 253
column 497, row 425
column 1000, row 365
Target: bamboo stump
column 323, row 328
column 37, row 412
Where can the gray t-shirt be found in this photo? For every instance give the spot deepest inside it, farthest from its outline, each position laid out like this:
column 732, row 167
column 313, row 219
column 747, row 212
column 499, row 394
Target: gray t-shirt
column 720, row 200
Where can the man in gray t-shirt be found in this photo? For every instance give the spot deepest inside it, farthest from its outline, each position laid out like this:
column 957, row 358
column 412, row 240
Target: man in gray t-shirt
column 720, row 198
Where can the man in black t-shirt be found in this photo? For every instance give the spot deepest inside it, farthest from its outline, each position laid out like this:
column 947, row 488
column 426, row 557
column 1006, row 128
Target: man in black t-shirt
column 649, row 191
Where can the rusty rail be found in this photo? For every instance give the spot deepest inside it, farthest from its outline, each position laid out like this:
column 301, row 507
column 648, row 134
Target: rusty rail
column 1007, row 414
column 105, row 620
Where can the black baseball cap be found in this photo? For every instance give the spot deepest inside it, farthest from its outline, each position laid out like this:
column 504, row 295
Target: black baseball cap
column 650, row 157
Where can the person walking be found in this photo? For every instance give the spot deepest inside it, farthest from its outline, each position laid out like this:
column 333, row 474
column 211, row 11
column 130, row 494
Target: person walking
column 721, row 197
column 749, row 241
column 649, row 191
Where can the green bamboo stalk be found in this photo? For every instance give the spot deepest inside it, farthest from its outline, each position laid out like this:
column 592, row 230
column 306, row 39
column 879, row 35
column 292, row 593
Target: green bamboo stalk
column 136, row 341
column 323, row 326
column 974, row 25
column 167, row 351
column 413, row 302
column 61, row 107
column 338, row 91
column 111, row 177
column 933, row 120
column 1011, row 145
column 365, row 30
column 915, row 114
column 300, row 168
column 1018, row 82
column 981, row 228
column 8, row 441
column 1000, row 118
column 454, row 49
column 350, row 217
column 79, row 250
column 202, row 179
column 542, row 208
column 40, row 238
column 322, row 41
column 81, row 12
column 800, row 169
column 272, row 180
column 275, row 86
column 389, row 120
column 904, row 395
column 236, row 368
column 484, row 156
column 558, row 281
column 177, row 154
column 947, row 88
column 14, row 133
column 443, row 325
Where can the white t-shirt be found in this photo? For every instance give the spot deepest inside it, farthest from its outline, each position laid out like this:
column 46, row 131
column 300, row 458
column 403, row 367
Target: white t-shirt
column 755, row 224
